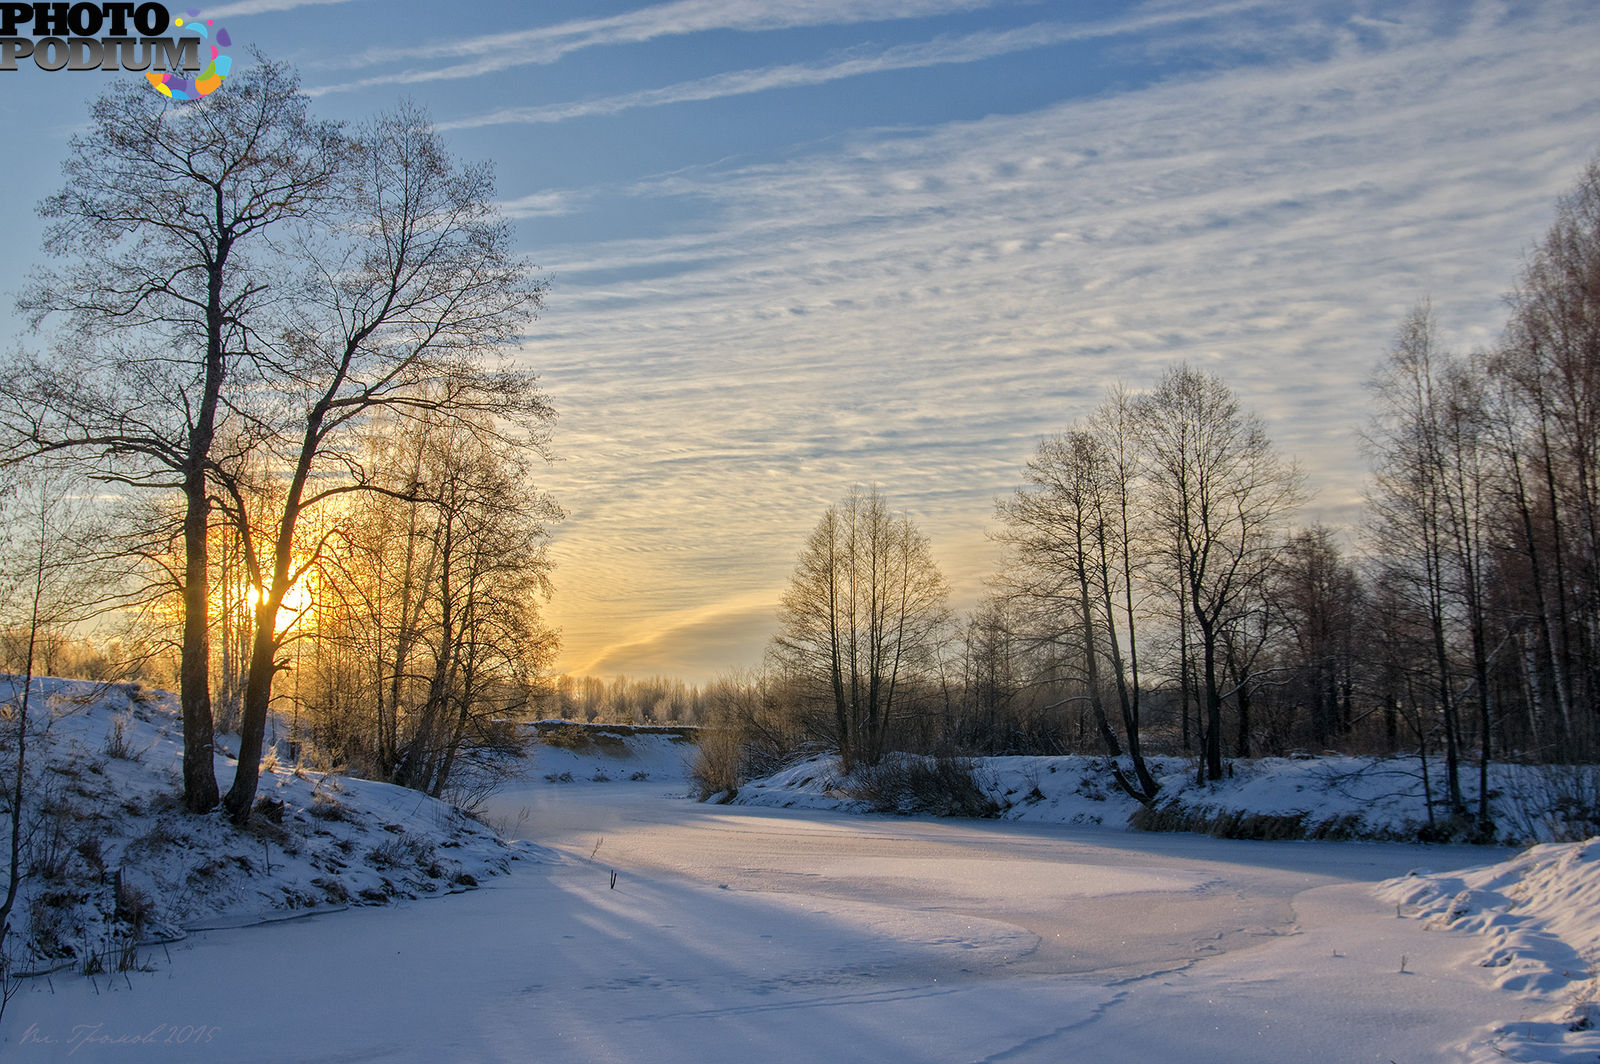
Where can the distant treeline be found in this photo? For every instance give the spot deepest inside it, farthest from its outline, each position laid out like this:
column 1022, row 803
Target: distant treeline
column 623, row 700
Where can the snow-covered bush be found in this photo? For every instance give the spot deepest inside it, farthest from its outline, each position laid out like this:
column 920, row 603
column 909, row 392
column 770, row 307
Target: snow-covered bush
column 910, row 783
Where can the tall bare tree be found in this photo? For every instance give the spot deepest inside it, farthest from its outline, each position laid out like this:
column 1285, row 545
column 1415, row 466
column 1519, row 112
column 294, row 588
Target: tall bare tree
column 1547, row 374
column 862, row 618
column 1410, row 505
column 1068, row 532
column 1220, row 495
column 165, row 278
column 406, row 308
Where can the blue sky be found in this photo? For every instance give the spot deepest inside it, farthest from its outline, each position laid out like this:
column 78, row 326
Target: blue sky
column 801, row 244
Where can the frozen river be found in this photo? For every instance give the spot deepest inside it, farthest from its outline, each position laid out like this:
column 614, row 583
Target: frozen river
column 1088, row 899
column 738, row 935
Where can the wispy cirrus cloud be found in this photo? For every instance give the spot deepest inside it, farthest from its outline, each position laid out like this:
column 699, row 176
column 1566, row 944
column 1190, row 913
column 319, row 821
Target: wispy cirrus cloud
column 548, row 44
column 264, row 7
column 671, row 19
column 544, row 204
column 486, row 53
column 968, row 48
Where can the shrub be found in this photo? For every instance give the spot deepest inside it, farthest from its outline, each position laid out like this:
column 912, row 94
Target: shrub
column 133, row 906
column 335, row 890
column 566, row 736
column 908, row 783
column 1553, row 803
column 329, row 809
column 718, row 766
column 117, row 744
column 404, row 850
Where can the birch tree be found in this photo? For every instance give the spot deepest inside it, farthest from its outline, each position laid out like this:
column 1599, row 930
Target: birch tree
column 1220, row 495
column 862, row 618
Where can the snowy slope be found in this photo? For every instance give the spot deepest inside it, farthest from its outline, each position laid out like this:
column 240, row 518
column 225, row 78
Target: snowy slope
column 597, row 753
column 113, row 859
column 1324, row 797
column 1536, row 919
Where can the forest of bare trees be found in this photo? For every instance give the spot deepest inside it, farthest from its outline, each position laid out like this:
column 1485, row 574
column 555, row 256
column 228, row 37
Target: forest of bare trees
column 1157, row 594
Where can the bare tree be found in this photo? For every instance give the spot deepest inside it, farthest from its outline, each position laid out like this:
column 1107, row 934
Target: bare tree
column 44, row 586
column 405, row 309
column 160, row 226
column 981, row 713
column 1219, row 495
column 1320, row 598
column 1546, row 379
column 464, row 651
column 862, row 618
column 1410, row 505
column 1123, row 558
column 1068, row 533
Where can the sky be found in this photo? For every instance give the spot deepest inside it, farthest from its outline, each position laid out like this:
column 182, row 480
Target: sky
column 799, row 245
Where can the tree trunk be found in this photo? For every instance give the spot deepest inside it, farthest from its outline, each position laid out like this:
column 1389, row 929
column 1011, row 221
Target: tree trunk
column 194, row 668
column 194, row 671
column 253, row 724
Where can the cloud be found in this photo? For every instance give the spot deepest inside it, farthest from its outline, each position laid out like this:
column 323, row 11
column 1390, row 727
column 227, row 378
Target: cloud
column 694, row 647
column 673, row 19
column 547, row 44
column 544, row 204
column 263, row 7
column 916, row 307
column 970, row 48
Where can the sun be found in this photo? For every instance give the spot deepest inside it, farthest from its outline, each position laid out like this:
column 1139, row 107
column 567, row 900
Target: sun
column 297, row 600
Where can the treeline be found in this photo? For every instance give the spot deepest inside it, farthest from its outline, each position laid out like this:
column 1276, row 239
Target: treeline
column 622, row 700
column 1156, row 594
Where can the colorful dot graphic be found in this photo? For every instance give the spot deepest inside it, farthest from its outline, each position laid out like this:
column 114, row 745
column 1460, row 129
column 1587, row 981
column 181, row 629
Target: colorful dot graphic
column 175, row 85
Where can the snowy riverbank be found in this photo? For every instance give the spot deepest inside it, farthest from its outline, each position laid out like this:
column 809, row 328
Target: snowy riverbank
column 113, row 864
column 1267, row 798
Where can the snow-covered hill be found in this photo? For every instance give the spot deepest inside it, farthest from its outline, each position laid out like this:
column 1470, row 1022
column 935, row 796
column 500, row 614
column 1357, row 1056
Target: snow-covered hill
column 112, row 860
column 567, row 752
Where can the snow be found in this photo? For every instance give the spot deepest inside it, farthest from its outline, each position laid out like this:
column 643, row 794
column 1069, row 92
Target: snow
column 1535, row 919
column 606, row 755
column 104, row 778
column 738, row 933
column 1325, row 797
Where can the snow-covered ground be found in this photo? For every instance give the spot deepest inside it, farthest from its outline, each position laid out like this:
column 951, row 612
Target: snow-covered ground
column 1272, row 797
column 736, row 934
column 114, row 860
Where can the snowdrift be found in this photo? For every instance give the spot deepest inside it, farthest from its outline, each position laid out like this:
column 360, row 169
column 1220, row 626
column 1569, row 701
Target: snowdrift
column 1538, row 918
column 112, row 861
